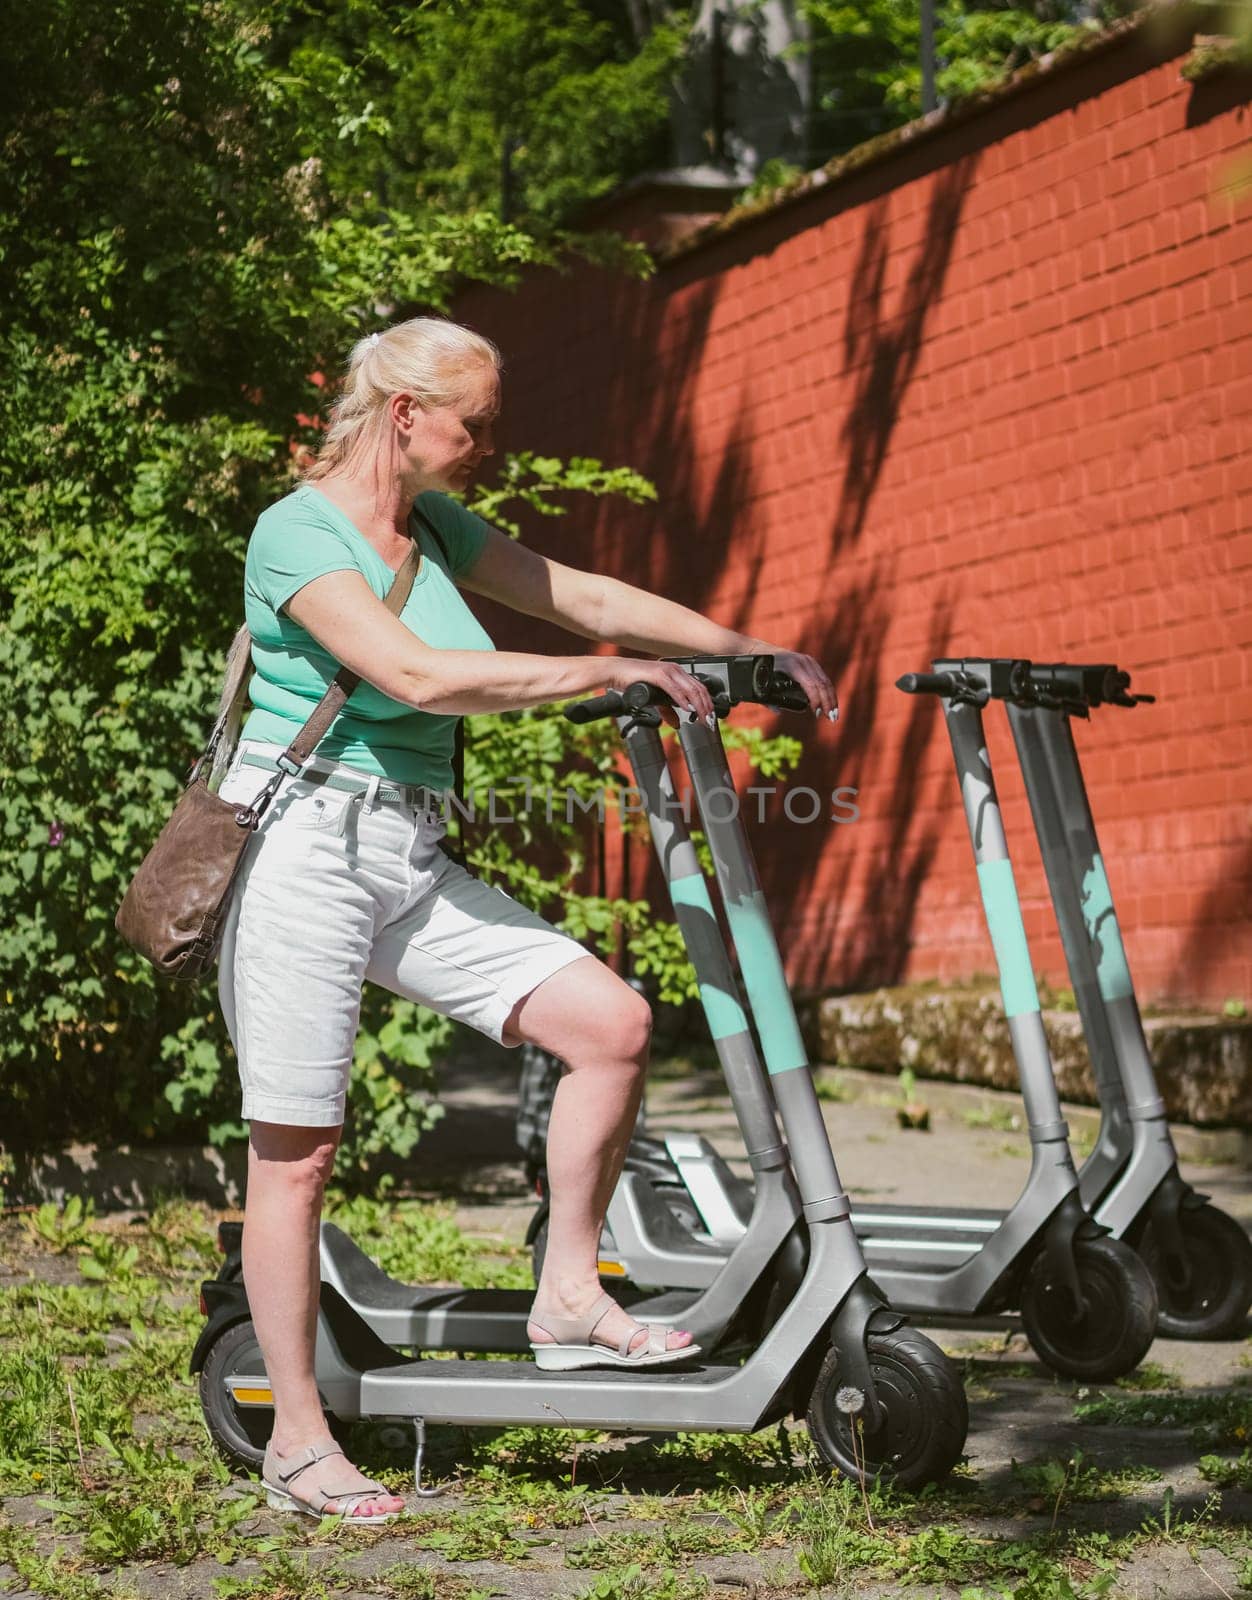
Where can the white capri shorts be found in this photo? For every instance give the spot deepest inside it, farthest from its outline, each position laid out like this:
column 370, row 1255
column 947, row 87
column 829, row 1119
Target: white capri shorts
column 336, row 888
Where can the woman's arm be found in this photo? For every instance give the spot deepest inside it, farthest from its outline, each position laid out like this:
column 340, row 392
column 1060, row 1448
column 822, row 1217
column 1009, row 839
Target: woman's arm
column 348, row 619
column 598, row 607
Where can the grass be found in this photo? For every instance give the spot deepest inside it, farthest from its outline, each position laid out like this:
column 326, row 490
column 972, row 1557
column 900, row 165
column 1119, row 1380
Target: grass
column 1077, row 1478
column 101, row 1434
column 1221, row 1418
column 831, row 1085
column 998, row 1118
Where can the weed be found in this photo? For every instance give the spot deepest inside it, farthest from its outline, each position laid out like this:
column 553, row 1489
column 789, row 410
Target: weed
column 998, row 1118
column 54, row 1576
column 530, row 1503
column 1228, row 1474
column 1218, row 1418
column 1079, row 1479
column 728, row 1458
column 110, row 1261
column 1150, row 1375
column 407, row 1580
column 284, row 1576
column 752, row 1512
column 481, row 1535
column 830, row 1085
column 154, row 1505
column 657, row 1547
column 180, row 1236
column 1172, row 1528
column 833, row 1542
column 631, row 1583
column 61, row 1228
column 552, row 1452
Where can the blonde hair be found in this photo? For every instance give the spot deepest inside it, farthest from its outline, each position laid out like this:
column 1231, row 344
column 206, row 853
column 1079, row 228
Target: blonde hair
column 430, row 357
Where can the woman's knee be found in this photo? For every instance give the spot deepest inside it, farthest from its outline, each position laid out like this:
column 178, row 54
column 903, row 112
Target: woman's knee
column 297, row 1160
column 586, row 1014
column 621, row 1030
column 636, row 1024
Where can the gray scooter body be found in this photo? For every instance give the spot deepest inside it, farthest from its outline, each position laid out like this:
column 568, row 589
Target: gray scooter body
column 823, row 1331
column 968, row 1264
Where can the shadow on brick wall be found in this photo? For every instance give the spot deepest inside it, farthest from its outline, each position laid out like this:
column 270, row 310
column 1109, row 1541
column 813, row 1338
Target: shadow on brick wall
column 881, row 340
column 1219, row 919
column 882, row 344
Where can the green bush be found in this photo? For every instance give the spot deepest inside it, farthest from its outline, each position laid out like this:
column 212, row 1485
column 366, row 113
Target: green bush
column 174, row 264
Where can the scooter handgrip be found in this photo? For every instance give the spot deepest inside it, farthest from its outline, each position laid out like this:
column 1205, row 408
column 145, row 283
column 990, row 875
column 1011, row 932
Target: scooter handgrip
column 614, row 701
column 943, row 683
column 783, row 693
column 604, row 705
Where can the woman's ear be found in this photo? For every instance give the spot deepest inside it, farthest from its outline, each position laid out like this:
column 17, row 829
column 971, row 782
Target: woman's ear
column 403, row 409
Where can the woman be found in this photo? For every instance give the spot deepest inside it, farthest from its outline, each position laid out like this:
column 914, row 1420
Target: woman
column 344, row 880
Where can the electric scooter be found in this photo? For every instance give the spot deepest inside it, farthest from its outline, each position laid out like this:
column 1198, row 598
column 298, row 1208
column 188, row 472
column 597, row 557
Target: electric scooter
column 1200, row 1258
column 1087, row 1302
column 791, row 1319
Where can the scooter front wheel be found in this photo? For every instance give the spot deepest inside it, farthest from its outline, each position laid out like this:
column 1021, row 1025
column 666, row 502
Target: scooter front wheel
column 1110, row 1335
column 925, row 1416
column 1213, row 1300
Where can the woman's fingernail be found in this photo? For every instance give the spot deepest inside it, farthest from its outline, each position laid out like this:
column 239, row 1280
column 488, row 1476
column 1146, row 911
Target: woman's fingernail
column 834, row 715
column 711, row 720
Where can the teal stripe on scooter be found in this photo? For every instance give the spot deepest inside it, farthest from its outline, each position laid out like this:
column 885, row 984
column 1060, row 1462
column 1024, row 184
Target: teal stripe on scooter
column 722, row 1011
column 1112, row 968
column 766, row 984
column 1008, row 936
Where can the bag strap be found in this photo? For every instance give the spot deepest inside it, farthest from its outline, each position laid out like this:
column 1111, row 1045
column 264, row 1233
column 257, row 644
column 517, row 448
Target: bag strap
column 331, row 704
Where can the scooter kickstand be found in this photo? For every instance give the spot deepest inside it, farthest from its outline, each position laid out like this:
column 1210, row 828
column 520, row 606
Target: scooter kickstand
column 419, row 1455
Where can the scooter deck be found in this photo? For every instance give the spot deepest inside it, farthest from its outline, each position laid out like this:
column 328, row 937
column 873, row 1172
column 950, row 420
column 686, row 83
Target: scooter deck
column 922, row 1238
column 972, row 1218
column 511, row 1393
column 413, row 1316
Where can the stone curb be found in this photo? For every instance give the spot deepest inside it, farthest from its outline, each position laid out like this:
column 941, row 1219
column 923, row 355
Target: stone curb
column 1203, row 1064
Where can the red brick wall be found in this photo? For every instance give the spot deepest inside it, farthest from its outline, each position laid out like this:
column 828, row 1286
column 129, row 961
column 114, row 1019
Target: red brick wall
column 988, row 395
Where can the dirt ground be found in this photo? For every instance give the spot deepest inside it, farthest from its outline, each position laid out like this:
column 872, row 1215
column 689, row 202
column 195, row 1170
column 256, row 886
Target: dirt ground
column 1048, row 1465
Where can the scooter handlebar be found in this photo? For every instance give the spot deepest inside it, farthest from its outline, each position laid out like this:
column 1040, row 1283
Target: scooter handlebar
column 779, row 691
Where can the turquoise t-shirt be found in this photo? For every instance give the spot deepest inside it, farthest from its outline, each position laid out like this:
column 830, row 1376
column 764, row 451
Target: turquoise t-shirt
column 304, row 536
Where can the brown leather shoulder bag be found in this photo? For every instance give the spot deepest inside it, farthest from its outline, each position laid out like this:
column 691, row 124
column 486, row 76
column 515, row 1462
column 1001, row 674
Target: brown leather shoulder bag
column 175, row 908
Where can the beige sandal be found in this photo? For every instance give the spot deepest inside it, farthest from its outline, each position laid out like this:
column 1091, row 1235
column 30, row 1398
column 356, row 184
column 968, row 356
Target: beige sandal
column 572, row 1347
column 278, row 1471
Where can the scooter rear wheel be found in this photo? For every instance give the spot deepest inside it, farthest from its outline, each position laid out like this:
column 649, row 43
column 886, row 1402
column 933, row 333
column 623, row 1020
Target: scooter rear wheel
column 239, row 1432
column 1118, row 1320
column 1214, row 1303
column 926, row 1417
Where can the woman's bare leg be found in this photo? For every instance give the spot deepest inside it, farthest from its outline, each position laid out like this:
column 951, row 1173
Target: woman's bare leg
column 601, row 1029
column 287, row 1172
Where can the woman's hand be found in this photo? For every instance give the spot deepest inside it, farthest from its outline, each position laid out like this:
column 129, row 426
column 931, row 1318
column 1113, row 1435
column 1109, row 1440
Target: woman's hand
column 686, row 692
column 811, row 677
